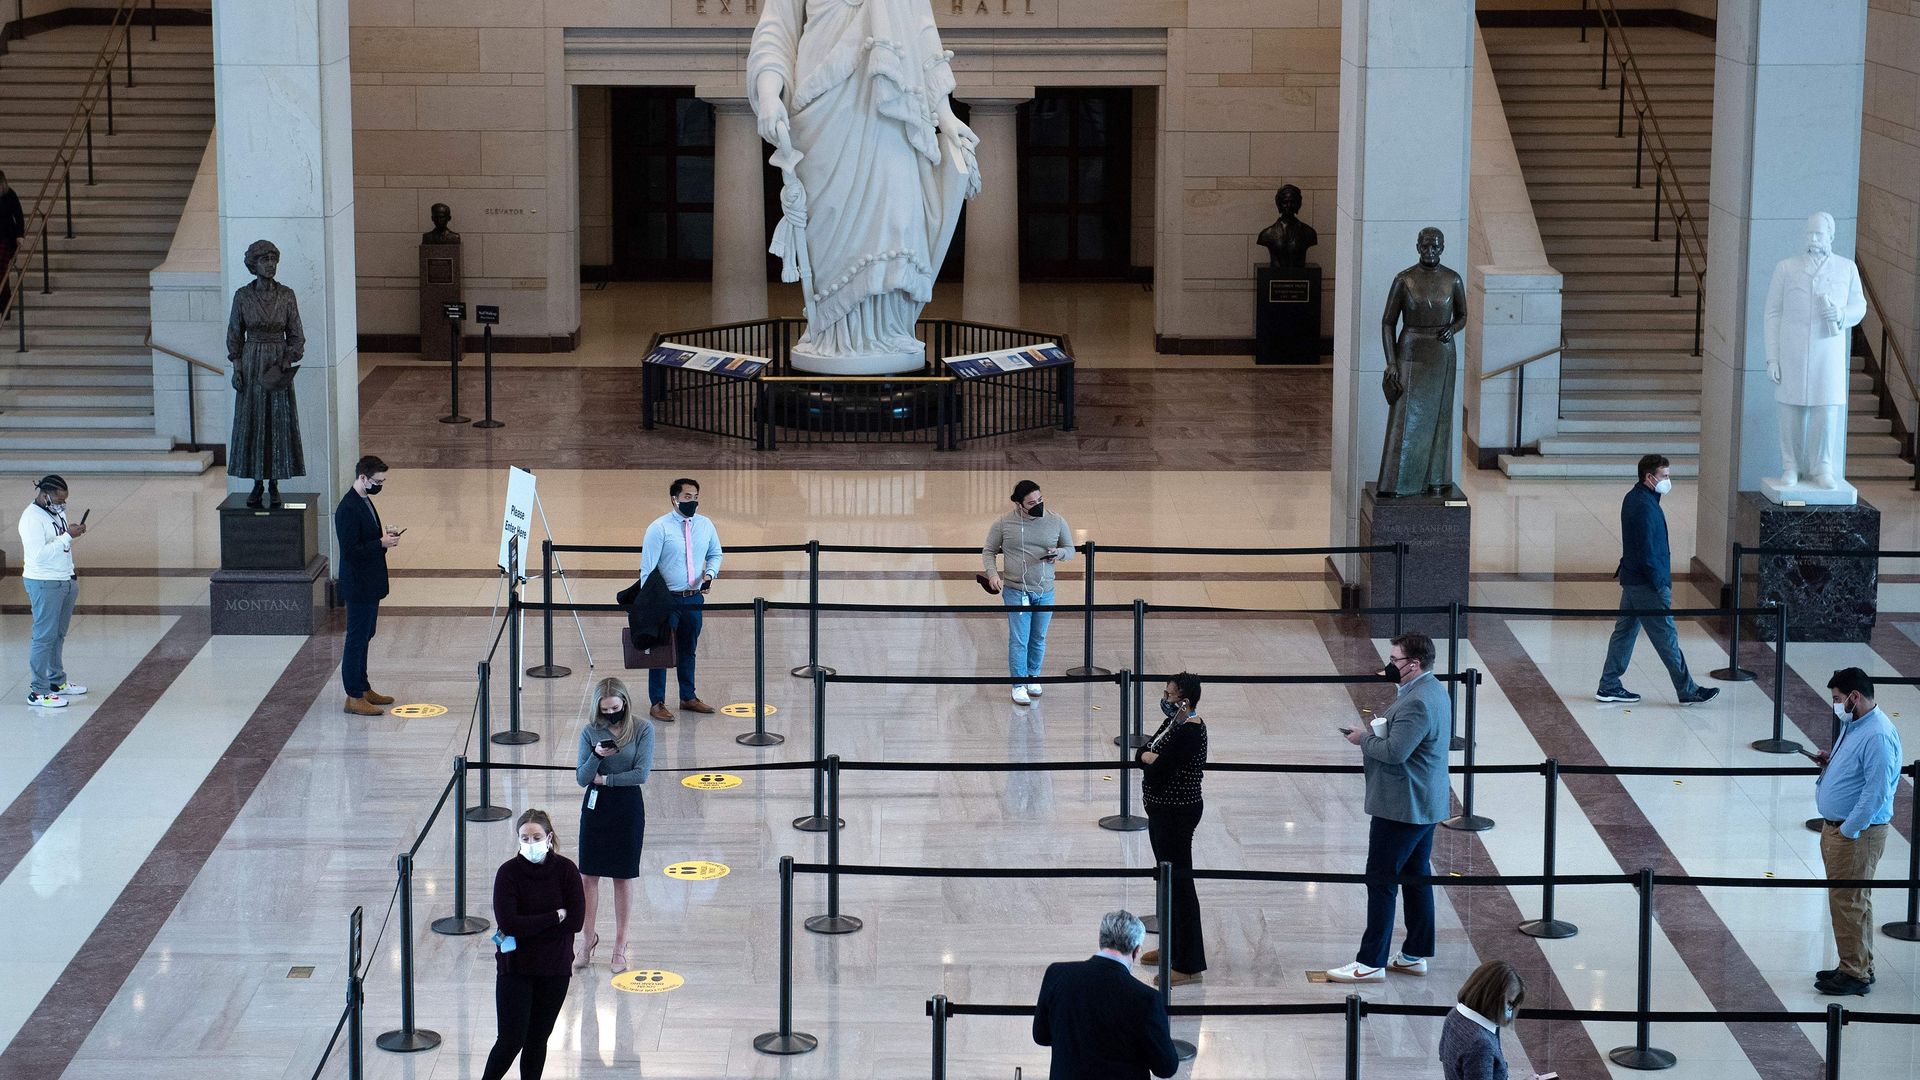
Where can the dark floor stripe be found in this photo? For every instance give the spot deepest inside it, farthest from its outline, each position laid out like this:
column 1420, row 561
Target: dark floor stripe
column 1489, row 916
column 1726, row 973
column 47, row 796
column 51, row 1037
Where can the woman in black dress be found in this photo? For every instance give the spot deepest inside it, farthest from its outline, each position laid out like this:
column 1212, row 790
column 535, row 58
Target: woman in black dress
column 1175, row 759
column 616, row 754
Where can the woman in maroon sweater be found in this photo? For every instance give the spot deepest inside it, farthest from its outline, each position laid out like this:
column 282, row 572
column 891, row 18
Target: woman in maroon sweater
column 539, row 905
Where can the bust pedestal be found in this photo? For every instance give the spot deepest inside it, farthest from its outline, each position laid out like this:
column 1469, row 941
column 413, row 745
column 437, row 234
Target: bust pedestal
column 439, row 286
column 1439, row 532
column 271, row 580
column 1287, row 315
column 1827, row 599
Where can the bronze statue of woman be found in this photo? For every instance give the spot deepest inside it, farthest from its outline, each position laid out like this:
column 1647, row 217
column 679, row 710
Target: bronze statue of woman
column 1429, row 304
column 265, row 345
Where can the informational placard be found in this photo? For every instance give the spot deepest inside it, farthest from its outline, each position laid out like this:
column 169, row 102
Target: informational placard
column 1003, row 361
column 486, row 314
column 455, row 312
column 519, row 516
column 694, row 358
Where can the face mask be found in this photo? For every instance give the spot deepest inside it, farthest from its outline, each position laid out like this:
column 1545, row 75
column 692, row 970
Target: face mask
column 534, row 851
column 1169, row 707
column 1508, row 1011
column 56, row 508
column 1391, row 672
column 613, row 720
column 687, row 508
column 373, row 488
column 1038, row 509
column 1663, row 487
column 1841, row 712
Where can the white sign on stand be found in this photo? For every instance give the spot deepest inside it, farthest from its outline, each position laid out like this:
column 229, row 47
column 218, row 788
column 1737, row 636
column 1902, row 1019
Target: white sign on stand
column 519, row 516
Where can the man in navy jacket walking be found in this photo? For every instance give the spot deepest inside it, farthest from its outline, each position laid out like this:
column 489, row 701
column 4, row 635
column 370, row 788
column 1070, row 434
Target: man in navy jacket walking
column 1646, row 584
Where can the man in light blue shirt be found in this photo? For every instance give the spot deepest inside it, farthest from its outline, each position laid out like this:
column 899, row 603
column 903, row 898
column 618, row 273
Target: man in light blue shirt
column 684, row 546
column 1855, row 795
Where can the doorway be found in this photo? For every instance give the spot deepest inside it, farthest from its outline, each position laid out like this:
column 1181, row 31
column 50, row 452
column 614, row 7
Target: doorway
column 662, row 180
column 1076, row 184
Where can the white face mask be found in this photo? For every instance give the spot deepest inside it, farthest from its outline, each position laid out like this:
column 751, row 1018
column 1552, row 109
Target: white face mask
column 1663, row 487
column 1841, row 712
column 534, row 851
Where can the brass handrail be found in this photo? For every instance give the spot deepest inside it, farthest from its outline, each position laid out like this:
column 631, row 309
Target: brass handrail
column 149, row 343
column 1517, row 364
column 119, row 36
column 1643, row 108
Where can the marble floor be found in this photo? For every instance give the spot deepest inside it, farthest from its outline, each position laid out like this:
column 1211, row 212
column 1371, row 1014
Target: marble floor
column 180, row 850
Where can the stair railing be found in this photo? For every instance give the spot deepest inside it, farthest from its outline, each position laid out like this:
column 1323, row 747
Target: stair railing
column 58, row 184
column 1519, row 368
column 193, row 428
column 1890, row 347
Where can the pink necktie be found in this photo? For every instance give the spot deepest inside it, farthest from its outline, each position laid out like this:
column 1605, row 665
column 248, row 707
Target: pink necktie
column 687, row 524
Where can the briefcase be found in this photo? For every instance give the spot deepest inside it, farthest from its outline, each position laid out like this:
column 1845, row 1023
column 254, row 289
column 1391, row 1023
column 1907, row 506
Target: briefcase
column 660, row 656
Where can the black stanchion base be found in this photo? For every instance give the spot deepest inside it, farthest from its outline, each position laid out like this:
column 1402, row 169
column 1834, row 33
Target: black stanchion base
column 810, row 823
column 457, row 925
column 798, row 1042
column 1184, row 1050
column 1469, row 823
column 1732, row 674
column 549, row 671
column 488, row 813
column 1816, row 824
column 1901, row 931
column 1553, row 929
column 805, row 671
column 1647, row 1058
column 456, row 418
column 1151, row 923
column 515, row 738
column 1777, row 746
column 489, row 423
column 759, row 738
column 1083, row 672
column 833, row 924
column 1134, row 742
column 1124, row 823
column 402, row 1042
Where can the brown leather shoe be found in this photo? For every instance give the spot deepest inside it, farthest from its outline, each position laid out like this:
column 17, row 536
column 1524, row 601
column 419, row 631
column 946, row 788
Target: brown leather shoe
column 659, row 712
column 360, row 707
column 1150, row 958
column 1180, row 978
column 696, row 705
column 374, row 697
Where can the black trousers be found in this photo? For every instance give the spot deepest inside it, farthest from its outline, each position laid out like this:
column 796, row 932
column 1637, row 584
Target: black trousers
column 527, row 1006
column 361, row 620
column 1170, row 831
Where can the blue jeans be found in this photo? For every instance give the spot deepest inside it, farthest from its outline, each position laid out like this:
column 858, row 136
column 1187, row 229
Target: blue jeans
column 1026, row 632
column 1660, row 631
column 1396, row 849
column 684, row 624
column 52, row 603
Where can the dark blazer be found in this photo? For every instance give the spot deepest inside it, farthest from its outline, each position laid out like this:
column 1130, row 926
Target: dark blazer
column 648, row 604
column 363, row 562
column 1645, row 558
column 13, row 221
column 1102, row 1023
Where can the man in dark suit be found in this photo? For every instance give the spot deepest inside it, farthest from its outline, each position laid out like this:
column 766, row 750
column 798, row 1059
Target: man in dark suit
column 364, row 543
column 1103, row 1023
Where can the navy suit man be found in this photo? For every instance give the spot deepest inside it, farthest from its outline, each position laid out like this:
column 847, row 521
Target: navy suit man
column 1646, row 583
column 1103, row 1023
column 364, row 543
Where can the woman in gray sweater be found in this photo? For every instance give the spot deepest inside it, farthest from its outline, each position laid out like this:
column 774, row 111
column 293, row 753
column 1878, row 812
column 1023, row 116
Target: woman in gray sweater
column 1470, row 1039
column 1027, row 540
column 616, row 754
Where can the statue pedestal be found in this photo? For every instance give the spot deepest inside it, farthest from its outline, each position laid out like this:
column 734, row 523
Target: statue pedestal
column 440, row 285
column 1827, row 599
column 271, row 580
column 900, row 363
column 1805, row 494
column 1439, row 532
column 1287, row 315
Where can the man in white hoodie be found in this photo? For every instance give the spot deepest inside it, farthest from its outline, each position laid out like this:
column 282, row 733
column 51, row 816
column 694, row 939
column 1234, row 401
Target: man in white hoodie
column 1028, row 540
column 46, row 543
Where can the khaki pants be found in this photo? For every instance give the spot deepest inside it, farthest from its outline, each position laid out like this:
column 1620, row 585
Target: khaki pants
column 1852, row 909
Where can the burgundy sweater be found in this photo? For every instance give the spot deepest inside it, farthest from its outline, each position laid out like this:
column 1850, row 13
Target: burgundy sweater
column 527, row 899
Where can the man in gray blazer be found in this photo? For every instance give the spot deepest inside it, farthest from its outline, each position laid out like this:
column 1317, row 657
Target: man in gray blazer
column 1405, row 756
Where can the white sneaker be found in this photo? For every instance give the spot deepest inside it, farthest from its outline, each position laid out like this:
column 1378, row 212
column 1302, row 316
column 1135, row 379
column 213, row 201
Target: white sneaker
column 1407, row 965
column 1020, row 696
column 1034, row 689
column 1356, row 972
column 45, row 701
column 68, row 689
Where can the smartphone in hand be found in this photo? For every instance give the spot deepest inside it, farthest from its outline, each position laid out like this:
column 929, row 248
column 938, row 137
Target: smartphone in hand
column 85, row 515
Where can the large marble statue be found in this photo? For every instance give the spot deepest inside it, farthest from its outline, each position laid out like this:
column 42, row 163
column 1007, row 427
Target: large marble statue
column 1429, row 304
column 265, row 345
column 854, row 98
column 1288, row 238
column 1812, row 306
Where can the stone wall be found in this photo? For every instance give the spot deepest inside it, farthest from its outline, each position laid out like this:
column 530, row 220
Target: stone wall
column 596, row 177
column 1889, row 235
column 189, row 311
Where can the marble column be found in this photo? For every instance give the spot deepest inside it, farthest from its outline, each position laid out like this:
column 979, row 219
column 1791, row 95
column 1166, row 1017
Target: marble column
column 283, row 117
column 740, row 214
column 1786, row 142
column 991, row 292
column 1406, row 96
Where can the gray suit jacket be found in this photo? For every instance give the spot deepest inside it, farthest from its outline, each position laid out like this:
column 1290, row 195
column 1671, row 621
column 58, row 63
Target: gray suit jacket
column 1407, row 767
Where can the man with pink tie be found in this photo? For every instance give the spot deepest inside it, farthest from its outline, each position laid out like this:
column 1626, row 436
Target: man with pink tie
column 684, row 546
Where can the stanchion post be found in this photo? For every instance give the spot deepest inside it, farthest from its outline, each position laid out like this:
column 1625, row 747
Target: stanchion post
column 484, row 810
column 1139, row 658
column 1733, row 672
column 1779, row 743
column 1400, row 582
column 1909, row 929
column 460, row 922
column 1355, row 1008
column 759, row 736
column 1125, row 820
column 514, row 736
column 356, row 1000
column 1163, row 909
column 548, row 670
column 1836, row 1018
column 785, row 1040
column 833, row 922
column 1641, row 1055
column 1546, row 926
column 813, row 615
column 1467, row 820
column 407, row 1038
column 486, row 343
column 818, row 821
column 937, row 1008
column 1453, row 670
column 454, row 415
column 1087, row 666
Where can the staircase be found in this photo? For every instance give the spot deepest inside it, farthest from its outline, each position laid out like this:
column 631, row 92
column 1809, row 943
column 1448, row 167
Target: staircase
column 1629, row 382
column 80, row 400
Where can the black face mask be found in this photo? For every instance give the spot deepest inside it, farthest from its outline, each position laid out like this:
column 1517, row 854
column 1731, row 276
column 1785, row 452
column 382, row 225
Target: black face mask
column 1038, row 509
column 1169, row 707
column 613, row 720
column 373, row 488
column 687, row 509
column 1391, row 672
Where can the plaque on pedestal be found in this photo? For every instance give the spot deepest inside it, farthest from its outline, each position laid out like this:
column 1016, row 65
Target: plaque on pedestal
column 439, row 286
column 1439, row 533
column 283, row 537
column 272, row 578
column 1828, row 599
column 1287, row 315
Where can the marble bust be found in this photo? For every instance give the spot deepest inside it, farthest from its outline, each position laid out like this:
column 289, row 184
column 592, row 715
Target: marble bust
column 442, row 216
column 1813, row 304
column 1426, row 308
column 1288, row 238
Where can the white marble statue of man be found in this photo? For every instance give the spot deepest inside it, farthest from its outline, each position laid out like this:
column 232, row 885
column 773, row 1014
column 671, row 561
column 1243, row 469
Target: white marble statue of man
column 1812, row 306
column 854, row 97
